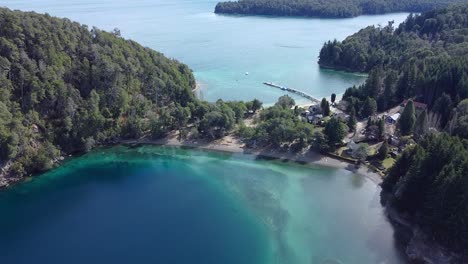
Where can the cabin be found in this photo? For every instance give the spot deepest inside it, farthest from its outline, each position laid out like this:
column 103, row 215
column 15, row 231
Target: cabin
column 392, row 119
column 353, row 148
column 315, row 109
column 342, row 116
column 314, row 119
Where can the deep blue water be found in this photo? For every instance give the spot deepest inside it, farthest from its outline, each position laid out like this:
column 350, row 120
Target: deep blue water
column 169, row 205
column 127, row 208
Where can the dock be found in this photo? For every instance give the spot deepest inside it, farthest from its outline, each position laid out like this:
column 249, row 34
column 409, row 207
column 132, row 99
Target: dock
column 294, row 91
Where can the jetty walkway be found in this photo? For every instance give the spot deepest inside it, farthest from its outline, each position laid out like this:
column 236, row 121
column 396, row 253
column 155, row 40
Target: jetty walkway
column 291, row 90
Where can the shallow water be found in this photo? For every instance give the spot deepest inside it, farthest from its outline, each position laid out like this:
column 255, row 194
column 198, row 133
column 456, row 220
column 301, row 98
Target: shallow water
column 168, row 205
column 221, row 49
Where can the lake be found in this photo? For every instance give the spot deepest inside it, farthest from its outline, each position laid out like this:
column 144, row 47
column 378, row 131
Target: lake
column 178, row 206
column 221, row 49
column 170, row 205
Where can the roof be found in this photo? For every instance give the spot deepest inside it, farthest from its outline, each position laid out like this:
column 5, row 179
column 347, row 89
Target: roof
column 395, row 116
column 417, row 104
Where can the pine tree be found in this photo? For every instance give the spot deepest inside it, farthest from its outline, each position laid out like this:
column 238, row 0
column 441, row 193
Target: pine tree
column 381, row 124
column 369, row 108
column 325, row 105
column 407, row 119
column 421, row 126
column 352, row 120
column 383, row 151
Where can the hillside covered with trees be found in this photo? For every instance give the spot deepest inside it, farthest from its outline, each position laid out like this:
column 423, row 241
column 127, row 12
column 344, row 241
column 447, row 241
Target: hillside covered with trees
column 330, row 8
column 424, row 58
column 65, row 88
column 430, row 183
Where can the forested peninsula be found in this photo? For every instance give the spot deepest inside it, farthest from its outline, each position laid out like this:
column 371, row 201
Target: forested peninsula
column 425, row 60
column 330, row 8
column 65, row 89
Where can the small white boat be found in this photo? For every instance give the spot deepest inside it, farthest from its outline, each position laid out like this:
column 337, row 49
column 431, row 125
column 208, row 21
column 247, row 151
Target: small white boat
column 246, row 73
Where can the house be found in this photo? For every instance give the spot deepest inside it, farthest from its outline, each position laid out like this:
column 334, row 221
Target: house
column 394, row 141
column 352, row 147
column 356, row 150
column 314, row 119
column 417, row 105
column 372, row 132
column 392, row 119
column 315, row 109
column 342, row 105
column 342, row 116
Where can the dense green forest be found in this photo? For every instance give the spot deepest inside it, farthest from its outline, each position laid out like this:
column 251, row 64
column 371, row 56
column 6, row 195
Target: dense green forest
column 424, row 58
column 330, row 8
column 65, row 88
column 430, row 182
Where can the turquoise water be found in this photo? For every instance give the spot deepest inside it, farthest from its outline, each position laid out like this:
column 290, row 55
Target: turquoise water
column 166, row 205
column 221, row 49
column 169, row 205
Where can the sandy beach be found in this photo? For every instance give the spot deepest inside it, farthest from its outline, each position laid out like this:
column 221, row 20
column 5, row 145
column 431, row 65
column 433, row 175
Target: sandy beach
column 232, row 144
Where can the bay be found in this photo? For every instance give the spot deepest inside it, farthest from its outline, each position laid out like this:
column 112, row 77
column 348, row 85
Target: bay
column 170, row 205
column 221, row 49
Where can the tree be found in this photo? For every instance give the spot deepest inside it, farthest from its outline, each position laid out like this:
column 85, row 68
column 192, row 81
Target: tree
column 381, row 125
column 459, row 125
column 319, row 142
column 361, row 152
column 181, row 116
column 428, row 181
column 407, row 62
column 328, row 9
column 65, row 87
column 383, row 151
column 352, row 120
column 239, row 109
column 286, row 101
column 335, row 132
column 325, row 107
column 369, row 108
column 407, row 118
column 421, row 127
column 333, row 98
column 257, row 105
column 443, row 106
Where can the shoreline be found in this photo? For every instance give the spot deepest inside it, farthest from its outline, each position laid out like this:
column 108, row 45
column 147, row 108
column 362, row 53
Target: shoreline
column 227, row 144
column 230, row 144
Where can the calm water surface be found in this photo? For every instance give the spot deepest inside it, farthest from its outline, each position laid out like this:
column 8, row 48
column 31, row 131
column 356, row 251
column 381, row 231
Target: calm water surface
column 168, row 205
column 221, row 49
column 165, row 205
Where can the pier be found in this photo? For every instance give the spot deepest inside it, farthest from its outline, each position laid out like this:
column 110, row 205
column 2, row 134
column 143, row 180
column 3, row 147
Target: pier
column 294, row 91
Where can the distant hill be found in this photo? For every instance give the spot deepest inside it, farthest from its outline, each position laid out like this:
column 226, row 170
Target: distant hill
column 328, row 8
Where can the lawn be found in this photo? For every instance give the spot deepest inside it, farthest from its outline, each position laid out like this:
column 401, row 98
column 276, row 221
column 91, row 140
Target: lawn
column 388, row 163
